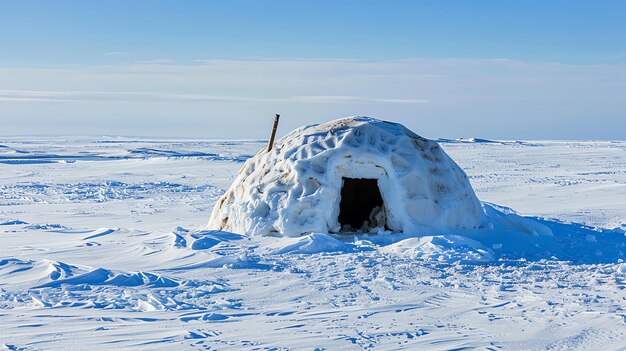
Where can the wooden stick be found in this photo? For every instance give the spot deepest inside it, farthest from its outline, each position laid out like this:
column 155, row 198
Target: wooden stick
column 270, row 145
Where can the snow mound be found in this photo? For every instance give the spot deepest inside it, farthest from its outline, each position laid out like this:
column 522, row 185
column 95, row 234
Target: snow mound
column 101, row 276
column 26, row 273
column 296, row 188
column 200, row 239
column 55, row 274
column 447, row 248
column 203, row 240
column 309, row 244
column 12, row 222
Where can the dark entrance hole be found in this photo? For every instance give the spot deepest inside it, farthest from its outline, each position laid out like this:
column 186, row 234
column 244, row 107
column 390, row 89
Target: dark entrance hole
column 361, row 206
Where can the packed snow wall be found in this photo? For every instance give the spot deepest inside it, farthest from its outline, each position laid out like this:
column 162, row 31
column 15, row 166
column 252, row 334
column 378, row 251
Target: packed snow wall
column 296, row 188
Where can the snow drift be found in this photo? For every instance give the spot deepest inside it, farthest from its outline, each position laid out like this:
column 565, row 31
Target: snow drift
column 355, row 174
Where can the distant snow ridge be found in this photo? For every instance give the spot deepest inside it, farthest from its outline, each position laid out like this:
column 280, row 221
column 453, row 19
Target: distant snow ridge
column 321, row 178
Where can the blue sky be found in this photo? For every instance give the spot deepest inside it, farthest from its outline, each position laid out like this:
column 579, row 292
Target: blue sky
column 497, row 69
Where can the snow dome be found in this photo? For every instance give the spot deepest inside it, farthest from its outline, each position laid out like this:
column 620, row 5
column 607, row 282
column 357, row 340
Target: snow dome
column 356, row 174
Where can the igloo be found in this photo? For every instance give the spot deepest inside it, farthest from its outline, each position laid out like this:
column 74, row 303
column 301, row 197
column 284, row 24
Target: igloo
column 351, row 175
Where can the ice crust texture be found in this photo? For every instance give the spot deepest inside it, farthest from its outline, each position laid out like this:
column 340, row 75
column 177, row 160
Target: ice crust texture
column 295, row 188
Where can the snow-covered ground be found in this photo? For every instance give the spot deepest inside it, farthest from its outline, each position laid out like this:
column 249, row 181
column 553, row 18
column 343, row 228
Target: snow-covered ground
column 102, row 247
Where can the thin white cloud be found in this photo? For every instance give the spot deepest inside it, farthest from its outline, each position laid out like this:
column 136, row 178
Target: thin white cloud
column 155, row 62
column 73, row 96
column 354, row 99
column 118, row 53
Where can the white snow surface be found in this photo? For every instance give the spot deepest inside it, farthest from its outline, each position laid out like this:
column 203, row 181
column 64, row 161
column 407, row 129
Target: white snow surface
column 102, row 246
column 295, row 189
